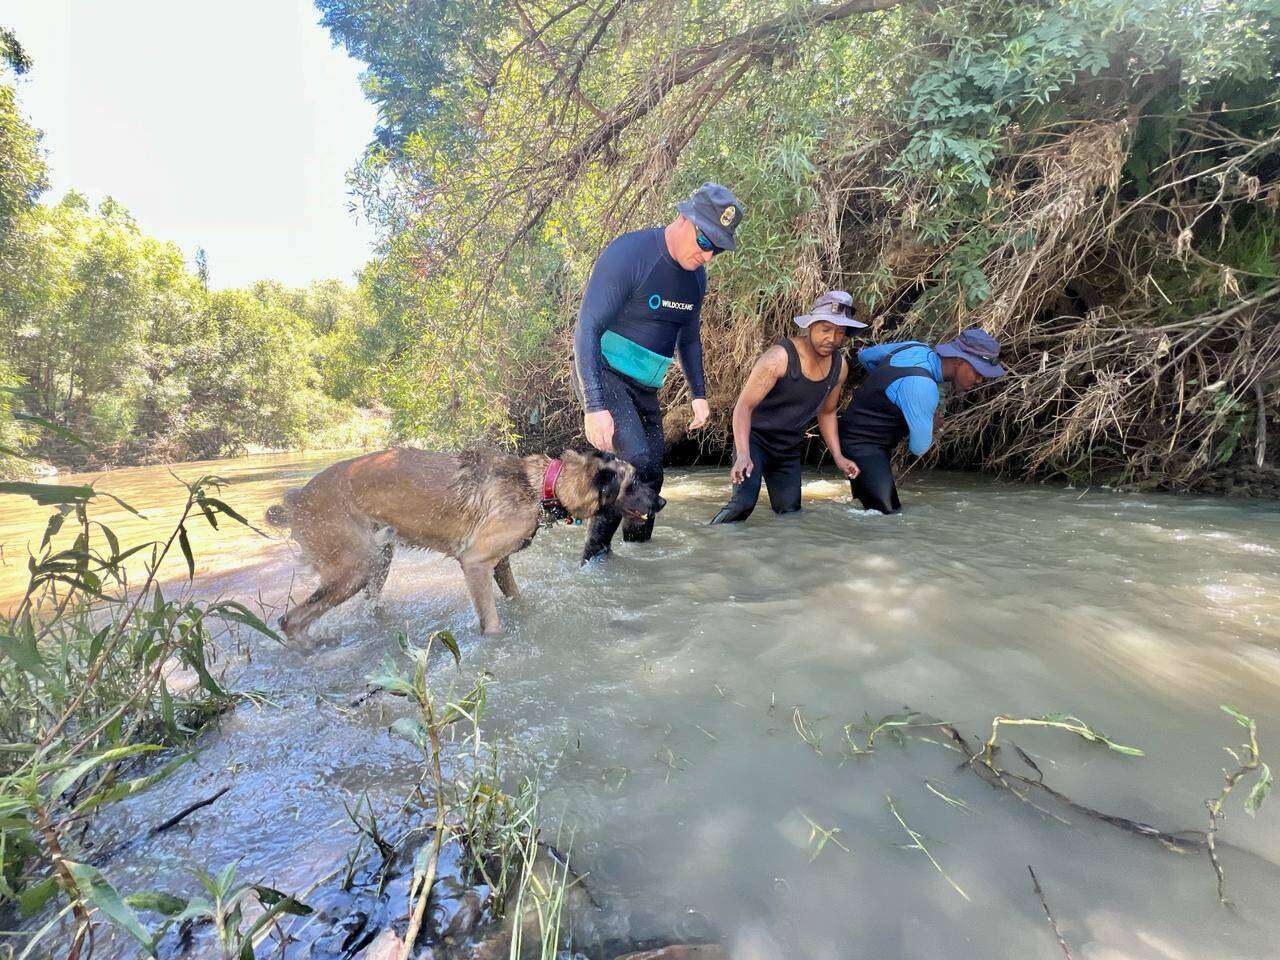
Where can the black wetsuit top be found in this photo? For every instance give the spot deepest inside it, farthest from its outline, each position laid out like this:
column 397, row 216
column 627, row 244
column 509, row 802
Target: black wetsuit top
column 646, row 307
column 781, row 418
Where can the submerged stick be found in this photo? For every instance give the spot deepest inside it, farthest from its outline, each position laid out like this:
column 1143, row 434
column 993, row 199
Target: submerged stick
column 182, row 814
column 1035, row 882
column 1000, row 778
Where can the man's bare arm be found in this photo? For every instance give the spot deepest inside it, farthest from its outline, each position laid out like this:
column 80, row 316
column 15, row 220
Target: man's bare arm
column 771, row 365
column 827, row 427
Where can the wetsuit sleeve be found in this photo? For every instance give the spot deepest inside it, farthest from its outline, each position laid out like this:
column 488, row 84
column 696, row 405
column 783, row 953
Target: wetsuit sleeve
column 917, row 398
column 689, row 347
column 611, row 285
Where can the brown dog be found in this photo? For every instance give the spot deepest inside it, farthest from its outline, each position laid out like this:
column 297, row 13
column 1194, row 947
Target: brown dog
column 478, row 506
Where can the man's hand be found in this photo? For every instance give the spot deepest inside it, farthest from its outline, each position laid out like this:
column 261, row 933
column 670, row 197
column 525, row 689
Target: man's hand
column 598, row 426
column 937, row 420
column 847, row 467
column 742, row 467
column 701, row 414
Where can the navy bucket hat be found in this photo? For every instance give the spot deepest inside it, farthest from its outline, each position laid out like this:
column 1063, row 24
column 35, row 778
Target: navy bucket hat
column 715, row 211
column 978, row 348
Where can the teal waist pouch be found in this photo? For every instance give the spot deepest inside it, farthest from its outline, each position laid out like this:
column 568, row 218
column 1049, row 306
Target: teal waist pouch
column 632, row 360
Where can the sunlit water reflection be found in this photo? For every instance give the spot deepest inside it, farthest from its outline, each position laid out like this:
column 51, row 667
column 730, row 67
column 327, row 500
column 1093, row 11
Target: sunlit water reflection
column 664, row 683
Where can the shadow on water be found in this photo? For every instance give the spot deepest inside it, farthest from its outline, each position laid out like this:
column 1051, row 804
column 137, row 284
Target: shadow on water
column 665, row 684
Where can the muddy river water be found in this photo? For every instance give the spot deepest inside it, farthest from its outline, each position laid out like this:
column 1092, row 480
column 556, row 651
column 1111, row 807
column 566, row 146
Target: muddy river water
column 661, row 691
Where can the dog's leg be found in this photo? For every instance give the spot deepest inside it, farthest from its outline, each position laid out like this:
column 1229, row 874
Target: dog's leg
column 505, row 579
column 480, row 578
column 381, row 567
column 338, row 587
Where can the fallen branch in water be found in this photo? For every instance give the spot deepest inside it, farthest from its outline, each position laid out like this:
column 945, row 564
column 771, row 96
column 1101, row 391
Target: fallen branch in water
column 1004, row 779
column 1035, row 882
column 185, row 812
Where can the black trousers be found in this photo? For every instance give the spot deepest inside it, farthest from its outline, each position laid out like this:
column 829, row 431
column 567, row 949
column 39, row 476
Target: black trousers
column 874, row 486
column 781, row 472
column 638, row 439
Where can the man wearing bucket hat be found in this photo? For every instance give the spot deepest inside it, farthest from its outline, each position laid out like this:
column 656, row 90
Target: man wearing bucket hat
column 794, row 381
column 641, row 307
column 900, row 399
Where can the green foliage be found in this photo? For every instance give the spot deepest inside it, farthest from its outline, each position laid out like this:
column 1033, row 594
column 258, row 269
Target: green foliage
column 91, row 695
column 118, row 341
column 11, row 52
column 935, row 160
column 22, row 171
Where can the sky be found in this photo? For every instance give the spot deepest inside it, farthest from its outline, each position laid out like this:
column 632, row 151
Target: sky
column 228, row 125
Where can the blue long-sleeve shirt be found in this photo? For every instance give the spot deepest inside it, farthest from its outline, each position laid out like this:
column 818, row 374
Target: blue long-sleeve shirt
column 642, row 298
column 916, row 397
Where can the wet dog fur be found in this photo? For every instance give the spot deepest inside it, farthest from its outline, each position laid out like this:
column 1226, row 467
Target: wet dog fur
column 477, row 506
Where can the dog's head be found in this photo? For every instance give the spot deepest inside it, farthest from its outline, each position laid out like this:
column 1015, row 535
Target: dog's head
column 601, row 480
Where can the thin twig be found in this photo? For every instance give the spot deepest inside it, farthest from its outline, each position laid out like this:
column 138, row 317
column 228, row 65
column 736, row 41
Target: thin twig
column 1035, row 882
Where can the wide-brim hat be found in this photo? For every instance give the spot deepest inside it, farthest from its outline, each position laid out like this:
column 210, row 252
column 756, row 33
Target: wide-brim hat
column 978, row 348
column 715, row 211
column 834, row 306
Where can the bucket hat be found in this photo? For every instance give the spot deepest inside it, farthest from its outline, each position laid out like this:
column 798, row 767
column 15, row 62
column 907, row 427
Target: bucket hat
column 979, row 348
column 834, row 306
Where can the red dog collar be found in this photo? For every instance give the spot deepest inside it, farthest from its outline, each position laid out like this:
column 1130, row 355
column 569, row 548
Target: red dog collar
column 549, row 478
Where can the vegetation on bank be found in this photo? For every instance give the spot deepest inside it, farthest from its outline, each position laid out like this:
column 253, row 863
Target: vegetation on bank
column 1098, row 183
column 106, row 685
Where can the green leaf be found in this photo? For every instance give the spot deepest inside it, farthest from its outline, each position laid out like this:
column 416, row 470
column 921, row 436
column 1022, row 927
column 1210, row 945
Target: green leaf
column 64, row 782
column 24, row 652
column 222, row 507
column 54, row 525
column 226, row 876
column 410, row 729
column 1261, row 789
column 186, row 551
column 157, row 902
column 231, row 610
column 389, row 680
column 36, row 896
column 52, row 427
column 271, row 897
column 451, row 644
column 130, row 787
column 97, row 889
column 49, row 494
column 1240, row 718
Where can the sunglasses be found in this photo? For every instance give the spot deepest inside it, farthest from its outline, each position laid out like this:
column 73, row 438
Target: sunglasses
column 706, row 244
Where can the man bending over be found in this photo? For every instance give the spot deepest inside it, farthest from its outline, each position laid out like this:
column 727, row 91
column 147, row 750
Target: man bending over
column 792, row 382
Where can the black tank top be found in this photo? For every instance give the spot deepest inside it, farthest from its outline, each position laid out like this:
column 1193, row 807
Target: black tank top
column 780, row 419
column 871, row 417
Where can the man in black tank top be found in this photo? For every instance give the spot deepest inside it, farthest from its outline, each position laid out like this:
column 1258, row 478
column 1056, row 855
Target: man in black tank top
column 793, row 382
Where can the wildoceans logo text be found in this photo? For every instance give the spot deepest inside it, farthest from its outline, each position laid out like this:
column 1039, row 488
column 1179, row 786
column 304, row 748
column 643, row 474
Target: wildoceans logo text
column 656, row 301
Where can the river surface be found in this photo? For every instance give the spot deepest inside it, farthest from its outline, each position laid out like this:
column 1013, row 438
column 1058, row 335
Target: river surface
column 664, row 684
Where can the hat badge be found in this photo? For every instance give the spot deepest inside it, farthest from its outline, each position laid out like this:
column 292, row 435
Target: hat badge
column 727, row 216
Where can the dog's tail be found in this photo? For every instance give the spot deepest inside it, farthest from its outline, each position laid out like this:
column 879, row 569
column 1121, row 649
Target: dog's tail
column 281, row 514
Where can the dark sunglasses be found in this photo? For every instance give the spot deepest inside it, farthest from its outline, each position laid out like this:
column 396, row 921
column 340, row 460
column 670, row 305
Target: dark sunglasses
column 706, row 244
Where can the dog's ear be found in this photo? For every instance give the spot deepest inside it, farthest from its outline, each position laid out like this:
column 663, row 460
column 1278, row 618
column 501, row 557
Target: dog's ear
column 608, row 482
